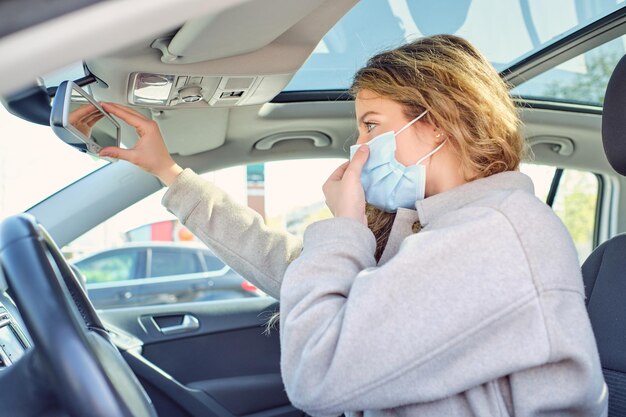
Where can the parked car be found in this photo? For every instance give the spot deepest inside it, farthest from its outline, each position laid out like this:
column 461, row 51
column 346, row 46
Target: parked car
column 150, row 274
column 232, row 84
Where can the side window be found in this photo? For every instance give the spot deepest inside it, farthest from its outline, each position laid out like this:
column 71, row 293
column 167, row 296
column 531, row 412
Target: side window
column 166, row 262
column 115, row 266
column 576, row 203
column 213, row 263
column 174, row 257
column 573, row 195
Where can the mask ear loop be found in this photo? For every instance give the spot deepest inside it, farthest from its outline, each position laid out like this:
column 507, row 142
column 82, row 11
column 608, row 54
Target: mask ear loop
column 431, row 152
column 406, row 126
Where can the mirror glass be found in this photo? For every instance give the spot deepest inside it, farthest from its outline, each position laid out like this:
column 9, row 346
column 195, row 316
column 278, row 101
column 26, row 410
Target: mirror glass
column 91, row 121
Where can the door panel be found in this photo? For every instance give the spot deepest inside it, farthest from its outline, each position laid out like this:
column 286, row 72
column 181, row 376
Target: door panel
column 220, row 363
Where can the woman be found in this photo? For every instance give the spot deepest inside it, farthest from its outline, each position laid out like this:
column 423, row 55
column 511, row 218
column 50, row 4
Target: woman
column 470, row 305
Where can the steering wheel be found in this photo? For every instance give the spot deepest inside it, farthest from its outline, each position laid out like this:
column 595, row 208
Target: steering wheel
column 73, row 365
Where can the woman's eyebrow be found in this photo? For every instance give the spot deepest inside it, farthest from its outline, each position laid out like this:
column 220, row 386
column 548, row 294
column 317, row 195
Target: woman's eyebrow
column 367, row 114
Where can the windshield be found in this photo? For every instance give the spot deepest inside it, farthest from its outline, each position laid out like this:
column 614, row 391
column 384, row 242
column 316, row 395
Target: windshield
column 34, row 164
column 506, row 31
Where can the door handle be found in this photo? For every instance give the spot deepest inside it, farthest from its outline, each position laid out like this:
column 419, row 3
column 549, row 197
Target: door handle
column 189, row 324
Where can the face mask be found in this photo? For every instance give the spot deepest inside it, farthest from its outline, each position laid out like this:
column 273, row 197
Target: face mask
column 387, row 183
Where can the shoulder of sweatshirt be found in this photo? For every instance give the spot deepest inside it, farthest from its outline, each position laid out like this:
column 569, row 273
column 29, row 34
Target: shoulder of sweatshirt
column 547, row 246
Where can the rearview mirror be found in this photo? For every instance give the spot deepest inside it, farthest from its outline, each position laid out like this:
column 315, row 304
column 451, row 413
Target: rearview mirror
column 81, row 122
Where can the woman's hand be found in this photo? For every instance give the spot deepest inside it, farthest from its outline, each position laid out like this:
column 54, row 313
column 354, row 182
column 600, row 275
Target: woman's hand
column 343, row 190
column 150, row 152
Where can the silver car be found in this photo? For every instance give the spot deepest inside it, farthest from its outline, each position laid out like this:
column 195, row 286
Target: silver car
column 175, row 273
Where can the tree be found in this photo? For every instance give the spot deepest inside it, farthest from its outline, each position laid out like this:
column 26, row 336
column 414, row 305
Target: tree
column 588, row 86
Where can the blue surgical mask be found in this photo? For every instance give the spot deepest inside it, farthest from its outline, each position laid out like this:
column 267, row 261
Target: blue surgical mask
column 388, row 184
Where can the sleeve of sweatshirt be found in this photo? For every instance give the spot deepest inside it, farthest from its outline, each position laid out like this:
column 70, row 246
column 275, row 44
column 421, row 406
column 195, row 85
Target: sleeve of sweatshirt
column 236, row 234
column 453, row 309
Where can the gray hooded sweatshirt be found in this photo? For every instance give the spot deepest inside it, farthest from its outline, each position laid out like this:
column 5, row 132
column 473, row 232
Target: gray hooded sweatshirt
column 481, row 313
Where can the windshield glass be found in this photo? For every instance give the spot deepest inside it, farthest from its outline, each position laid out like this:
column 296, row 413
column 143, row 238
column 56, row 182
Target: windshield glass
column 34, row 164
column 505, row 31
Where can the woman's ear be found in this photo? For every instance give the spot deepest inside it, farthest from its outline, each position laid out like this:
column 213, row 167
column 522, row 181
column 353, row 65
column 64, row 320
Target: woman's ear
column 435, row 134
column 439, row 134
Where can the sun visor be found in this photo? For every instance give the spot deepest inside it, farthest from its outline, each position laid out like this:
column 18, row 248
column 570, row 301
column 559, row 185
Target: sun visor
column 190, row 131
column 224, row 34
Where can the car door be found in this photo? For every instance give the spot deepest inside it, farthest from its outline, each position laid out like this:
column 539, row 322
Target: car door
column 211, row 358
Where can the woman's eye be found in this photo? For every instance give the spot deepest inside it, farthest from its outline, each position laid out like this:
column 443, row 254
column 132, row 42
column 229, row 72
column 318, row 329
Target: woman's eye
column 369, row 127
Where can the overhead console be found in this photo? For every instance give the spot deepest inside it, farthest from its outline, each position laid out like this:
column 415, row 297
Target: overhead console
column 169, row 90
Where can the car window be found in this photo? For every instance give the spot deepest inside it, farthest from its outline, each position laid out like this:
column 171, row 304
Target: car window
column 506, row 32
column 269, row 189
column 165, row 262
column 178, row 263
column 21, row 186
column 213, row 263
column 573, row 195
column 109, row 267
column 576, row 202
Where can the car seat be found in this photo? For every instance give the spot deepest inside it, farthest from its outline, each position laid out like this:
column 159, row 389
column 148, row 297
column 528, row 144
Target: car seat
column 604, row 271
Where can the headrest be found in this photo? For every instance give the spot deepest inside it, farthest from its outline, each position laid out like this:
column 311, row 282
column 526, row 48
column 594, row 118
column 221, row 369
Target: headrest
column 614, row 118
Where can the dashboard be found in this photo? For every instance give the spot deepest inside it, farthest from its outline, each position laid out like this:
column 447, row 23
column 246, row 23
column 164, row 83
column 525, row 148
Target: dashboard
column 13, row 340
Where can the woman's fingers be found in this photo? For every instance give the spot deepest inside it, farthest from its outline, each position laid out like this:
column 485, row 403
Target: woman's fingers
column 127, row 109
column 118, row 153
column 150, row 152
column 338, row 173
column 332, row 184
column 120, row 109
column 343, row 190
column 138, row 122
column 358, row 161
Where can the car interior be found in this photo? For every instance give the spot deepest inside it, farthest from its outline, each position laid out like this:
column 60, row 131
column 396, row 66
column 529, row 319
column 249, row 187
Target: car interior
column 237, row 82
